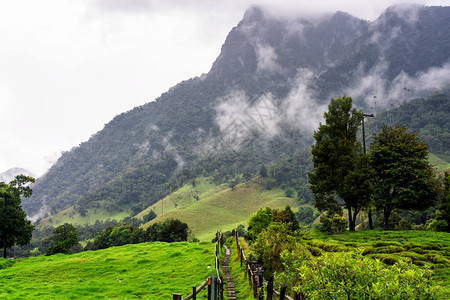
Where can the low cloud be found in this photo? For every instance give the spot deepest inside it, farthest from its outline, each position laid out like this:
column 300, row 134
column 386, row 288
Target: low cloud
column 301, row 109
column 404, row 87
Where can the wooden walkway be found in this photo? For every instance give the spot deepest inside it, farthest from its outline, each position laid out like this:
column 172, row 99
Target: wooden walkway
column 229, row 280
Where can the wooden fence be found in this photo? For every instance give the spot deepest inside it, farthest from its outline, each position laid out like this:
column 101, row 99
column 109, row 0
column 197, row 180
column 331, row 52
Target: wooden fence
column 214, row 283
column 256, row 280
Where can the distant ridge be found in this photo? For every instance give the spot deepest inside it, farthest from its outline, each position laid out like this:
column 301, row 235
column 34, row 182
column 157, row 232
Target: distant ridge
column 10, row 174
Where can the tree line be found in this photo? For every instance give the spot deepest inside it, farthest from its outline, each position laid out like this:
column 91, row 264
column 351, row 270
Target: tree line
column 395, row 174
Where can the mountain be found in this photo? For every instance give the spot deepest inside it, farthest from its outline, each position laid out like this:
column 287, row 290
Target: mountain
column 10, row 174
column 259, row 103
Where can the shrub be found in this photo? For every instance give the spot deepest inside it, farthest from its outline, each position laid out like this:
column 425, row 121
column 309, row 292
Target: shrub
column 333, row 223
column 271, row 243
column 353, row 276
column 289, row 192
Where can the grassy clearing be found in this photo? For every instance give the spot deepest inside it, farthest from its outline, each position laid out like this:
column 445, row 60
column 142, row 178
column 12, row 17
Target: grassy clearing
column 424, row 248
column 147, row 271
column 70, row 216
column 440, row 162
column 221, row 207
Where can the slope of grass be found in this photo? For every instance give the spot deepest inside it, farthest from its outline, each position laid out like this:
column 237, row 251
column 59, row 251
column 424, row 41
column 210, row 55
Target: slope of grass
column 223, row 208
column 69, row 215
column 147, row 271
column 440, row 162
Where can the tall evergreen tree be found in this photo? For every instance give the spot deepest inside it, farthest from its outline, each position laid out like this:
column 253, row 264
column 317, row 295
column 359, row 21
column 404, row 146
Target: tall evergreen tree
column 403, row 176
column 340, row 169
column 14, row 226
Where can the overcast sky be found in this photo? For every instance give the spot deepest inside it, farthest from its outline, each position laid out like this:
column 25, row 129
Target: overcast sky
column 67, row 67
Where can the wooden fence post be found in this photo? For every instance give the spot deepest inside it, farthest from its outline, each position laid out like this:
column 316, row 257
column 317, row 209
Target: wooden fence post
column 242, row 254
column 283, row 291
column 270, row 288
column 246, row 269
column 176, row 296
column 213, row 285
column 209, row 288
column 194, row 293
column 221, row 288
column 249, row 277
column 255, row 287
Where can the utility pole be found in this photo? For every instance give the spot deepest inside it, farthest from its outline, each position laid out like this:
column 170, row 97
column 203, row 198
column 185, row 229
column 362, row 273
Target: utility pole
column 364, row 150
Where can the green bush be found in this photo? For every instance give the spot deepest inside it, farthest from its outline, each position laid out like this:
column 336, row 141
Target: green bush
column 350, row 275
column 333, row 223
column 271, row 243
column 289, row 192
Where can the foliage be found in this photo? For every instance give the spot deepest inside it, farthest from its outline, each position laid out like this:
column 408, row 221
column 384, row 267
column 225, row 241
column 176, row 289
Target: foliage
column 332, row 222
column 289, row 192
column 291, row 172
column 263, row 171
column 396, row 222
column 64, row 238
column 306, row 214
column 271, row 243
column 150, row 216
column 441, row 221
column 430, row 117
column 257, row 223
column 354, row 276
column 287, row 217
column 338, row 165
column 14, row 226
column 171, row 230
column 403, row 176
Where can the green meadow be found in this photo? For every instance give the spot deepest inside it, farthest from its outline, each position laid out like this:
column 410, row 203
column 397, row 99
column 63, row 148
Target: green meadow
column 218, row 207
column 144, row 271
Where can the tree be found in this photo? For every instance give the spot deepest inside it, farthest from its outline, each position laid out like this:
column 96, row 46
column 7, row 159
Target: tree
column 258, row 222
column 441, row 221
column 14, row 226
column 173, row 230
column 403, row 176
column 286, row 216
column 64, row 238
column 338, row 160
column 263, row 171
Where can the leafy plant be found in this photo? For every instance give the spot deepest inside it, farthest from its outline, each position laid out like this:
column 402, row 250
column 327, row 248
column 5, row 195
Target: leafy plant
column 350, row 275
column 64, row 238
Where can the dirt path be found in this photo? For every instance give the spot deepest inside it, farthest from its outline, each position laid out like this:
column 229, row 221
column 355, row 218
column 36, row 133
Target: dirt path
column 229, row 281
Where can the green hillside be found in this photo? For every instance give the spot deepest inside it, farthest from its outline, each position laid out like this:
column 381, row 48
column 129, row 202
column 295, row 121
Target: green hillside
column 218, row 207
column 440, row 162
column 144, row 271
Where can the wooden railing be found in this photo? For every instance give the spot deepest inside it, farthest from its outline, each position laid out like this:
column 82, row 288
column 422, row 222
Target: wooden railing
column 256, row 280
column 214, row 283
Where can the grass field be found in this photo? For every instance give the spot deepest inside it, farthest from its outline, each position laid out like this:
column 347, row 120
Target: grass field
column 144, row 271
column 440, row 162
column 218, row 207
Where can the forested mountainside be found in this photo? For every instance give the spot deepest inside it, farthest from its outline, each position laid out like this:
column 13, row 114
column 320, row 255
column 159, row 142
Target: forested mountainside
column 258, row 105
column 429, row 116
